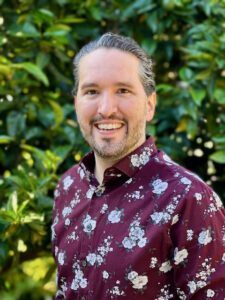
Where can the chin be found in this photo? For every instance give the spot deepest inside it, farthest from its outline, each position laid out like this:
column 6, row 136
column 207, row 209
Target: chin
column 109, row 152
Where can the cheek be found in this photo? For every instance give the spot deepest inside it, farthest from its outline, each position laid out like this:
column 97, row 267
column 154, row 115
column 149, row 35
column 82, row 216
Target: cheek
column 131, row 109
column 86, row 111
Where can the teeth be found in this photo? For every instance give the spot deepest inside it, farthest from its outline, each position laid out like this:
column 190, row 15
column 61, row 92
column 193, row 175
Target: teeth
column 109, row 126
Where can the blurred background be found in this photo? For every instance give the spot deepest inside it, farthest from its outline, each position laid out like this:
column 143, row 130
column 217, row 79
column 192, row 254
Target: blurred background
column 39, row 136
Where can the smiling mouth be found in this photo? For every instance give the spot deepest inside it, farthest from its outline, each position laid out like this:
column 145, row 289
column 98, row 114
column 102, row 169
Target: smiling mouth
column 109, row 126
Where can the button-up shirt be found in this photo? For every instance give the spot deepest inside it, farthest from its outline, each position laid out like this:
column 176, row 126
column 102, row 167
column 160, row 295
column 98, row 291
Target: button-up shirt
column 151, row 230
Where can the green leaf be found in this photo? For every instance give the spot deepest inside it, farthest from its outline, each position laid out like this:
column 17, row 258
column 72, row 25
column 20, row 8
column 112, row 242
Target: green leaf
column 4, row 250
column 147, row 7
column 30, row 29
column 95, row 13
column 164, row 88
column 5, row 70
column 71, row 19
column 34, row 219
column 219, row 138
column 43, row 182
column 23, row 206
column 57, row 30
column 59, row 33
column 16, row 123
column 44, row 202
column 5, row 139
column 219, row 94
column 6, row 217
column 63, row 151
column 149, row 45
column 5, row 105
column 169, row 4
column 23, row 30
column 152, row 21
column 198, row 96
column 218, row 156
column 40, row 154
column 61, row 2
column 192, row 128
column 42, row 59
column 207, row 7
column 34, row 132
column 17, row 180
column 137, row 7
column 211, row 86
column 204, row 75
column 186, row 74
column 34, row 70
column 43, row 15
column 12, row 206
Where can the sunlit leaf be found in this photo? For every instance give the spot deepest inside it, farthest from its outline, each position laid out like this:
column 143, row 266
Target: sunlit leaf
column 219, row 138
column 203, row 75
column 40, row 154
column 218, row 156
column 71, row 19
column 34, row 70
column 4, row 139
column 182, row 126
column 5, row 70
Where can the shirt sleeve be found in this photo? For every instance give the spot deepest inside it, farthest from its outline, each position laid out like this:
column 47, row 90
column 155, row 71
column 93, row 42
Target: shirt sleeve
column 198, row 236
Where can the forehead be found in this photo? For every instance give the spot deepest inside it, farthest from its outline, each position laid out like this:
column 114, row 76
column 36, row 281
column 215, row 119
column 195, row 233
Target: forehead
column 109, row 62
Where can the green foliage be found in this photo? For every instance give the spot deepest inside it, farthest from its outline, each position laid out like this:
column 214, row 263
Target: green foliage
column 39, row 135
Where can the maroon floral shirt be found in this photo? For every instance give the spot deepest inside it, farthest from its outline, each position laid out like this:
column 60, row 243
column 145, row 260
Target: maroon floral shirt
column 152, row 230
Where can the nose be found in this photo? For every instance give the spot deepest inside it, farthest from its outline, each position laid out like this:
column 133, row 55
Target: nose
column 107, row 105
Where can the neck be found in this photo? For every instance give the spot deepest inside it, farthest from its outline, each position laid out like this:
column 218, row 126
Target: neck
column 101, row 164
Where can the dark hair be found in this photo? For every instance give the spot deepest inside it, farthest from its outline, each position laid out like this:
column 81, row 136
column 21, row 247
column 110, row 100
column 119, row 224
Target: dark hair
column 126, row 44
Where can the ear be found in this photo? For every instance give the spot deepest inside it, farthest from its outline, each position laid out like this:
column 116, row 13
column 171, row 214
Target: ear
column 151, row 104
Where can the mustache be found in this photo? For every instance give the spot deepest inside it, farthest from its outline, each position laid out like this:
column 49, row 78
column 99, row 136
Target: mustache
column 112, row 118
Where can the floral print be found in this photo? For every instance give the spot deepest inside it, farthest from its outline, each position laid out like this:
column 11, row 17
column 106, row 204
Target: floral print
column 179, row 256
column 88, row 224
column 151, row 230
column 115, row 215
column 159, row 187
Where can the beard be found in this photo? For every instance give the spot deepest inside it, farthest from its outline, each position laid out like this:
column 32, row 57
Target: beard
column 108, row 148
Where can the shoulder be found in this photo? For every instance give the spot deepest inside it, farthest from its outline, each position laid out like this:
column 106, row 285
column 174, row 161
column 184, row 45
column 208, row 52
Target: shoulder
column 66, row 180
column 70, row 173
column 187, row 184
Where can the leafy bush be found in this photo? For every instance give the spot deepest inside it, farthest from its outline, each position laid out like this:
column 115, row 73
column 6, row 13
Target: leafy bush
column 39, row 136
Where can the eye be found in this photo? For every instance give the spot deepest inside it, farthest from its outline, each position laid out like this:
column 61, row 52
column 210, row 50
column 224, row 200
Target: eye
column 123, row 91
column 91, row 92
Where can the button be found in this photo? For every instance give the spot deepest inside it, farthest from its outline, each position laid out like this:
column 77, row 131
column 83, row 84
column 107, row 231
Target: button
column 84, row 263
column 83, row 298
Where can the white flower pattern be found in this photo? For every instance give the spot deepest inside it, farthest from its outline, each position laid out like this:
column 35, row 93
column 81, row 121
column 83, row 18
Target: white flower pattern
column 204, row 237
column 159, row 186
column 179, row 256
column 88, row 224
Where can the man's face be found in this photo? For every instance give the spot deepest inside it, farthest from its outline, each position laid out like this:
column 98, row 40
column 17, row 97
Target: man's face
column 111, row 105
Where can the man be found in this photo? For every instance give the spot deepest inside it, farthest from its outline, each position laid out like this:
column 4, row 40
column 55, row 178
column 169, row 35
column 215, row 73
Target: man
column 129, row 223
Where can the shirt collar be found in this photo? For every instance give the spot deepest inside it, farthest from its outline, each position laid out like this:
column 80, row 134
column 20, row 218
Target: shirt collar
column 134, row 161
column 128, row 165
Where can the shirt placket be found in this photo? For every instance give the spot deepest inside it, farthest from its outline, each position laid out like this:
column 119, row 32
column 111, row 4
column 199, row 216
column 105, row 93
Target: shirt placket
column 87, row 243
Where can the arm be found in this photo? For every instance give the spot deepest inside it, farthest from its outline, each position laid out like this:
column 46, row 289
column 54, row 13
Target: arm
column 199, row 242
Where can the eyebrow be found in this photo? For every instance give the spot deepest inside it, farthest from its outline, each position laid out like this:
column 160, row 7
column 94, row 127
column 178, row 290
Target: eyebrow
column 92, row 84
column 124, row 84
column 88, row 85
